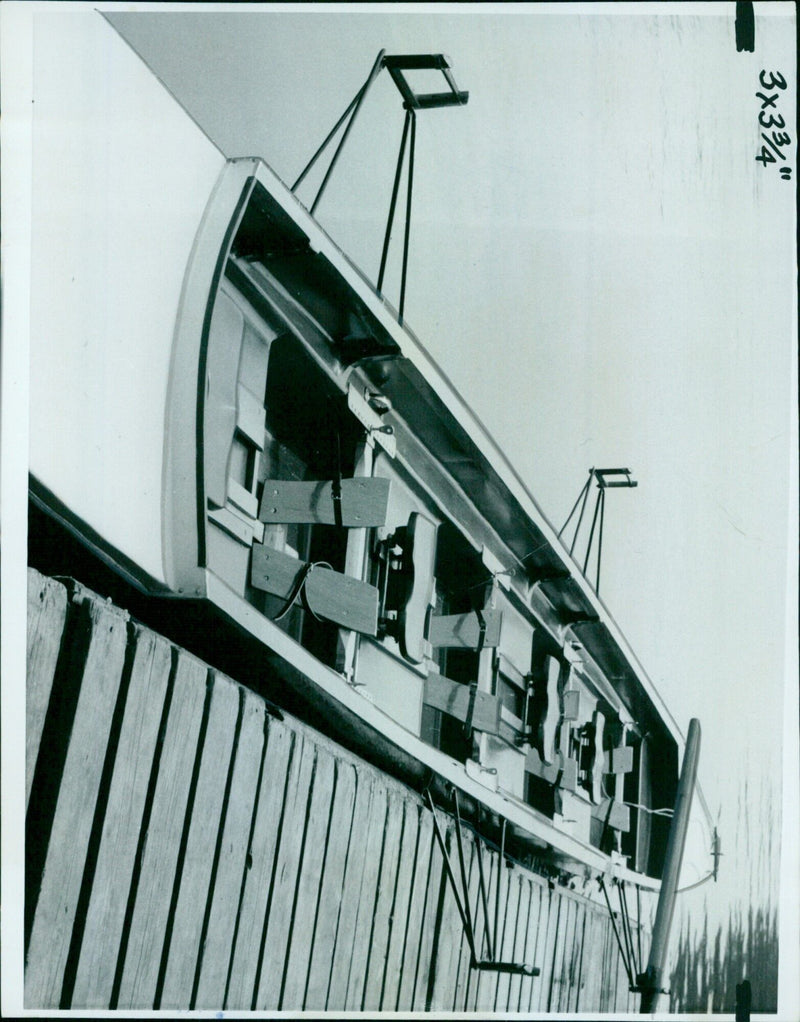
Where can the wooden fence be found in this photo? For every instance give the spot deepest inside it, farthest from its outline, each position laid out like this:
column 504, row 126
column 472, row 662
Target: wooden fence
column 186, row 848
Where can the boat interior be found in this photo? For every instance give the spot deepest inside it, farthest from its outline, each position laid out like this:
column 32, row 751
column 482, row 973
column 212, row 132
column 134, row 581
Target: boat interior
column 343, row 500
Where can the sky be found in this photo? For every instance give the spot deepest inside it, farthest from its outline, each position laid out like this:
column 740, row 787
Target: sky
column 603, row 270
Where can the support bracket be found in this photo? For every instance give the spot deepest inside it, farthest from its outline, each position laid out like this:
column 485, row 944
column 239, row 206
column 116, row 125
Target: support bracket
column 412, row 102
column 488, row 962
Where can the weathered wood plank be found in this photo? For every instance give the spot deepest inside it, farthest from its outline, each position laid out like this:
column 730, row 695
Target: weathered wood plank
column 454, row 698
column 603, row 956
column 284, row 885
column 280, row 751
column 585, row 997
column 542, row 998
column 471, row 846
column 463, row 631
column 47, row 611
column 386, row 895
column 588, row 952
column 599, row 961
column 51, row 931
column 428, row 928
column 614, row 963
column 375, row 963
column 340, row 598
column 510, row 1000
column 330, row 898
column 342, row 955
column 563, row 939
column 612, row 814
column 218, row 945
column 497, row 909
column 148, row 922
column 608, row 981
column 208, row 809
column 528, row 945
column 309, row 882
column 579, row 952
column 478, row 980
column 411, row 948
column 558, row 954
column 450, row 933
column 363, row 504
column 401, row 906
column 621, row 1003
column 375, row 848
column 532, row 987
column 105, row 915
column 571, row 971
column 508, row 943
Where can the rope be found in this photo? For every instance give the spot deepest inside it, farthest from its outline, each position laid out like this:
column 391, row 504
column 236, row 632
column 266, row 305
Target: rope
column 664, row 811
column 299, row 590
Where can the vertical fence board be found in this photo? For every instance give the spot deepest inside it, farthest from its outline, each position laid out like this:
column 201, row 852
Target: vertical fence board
column 574, row 951
column 540, row 953
column 309, row 884
column 562, row 935
column 415, row 912
column 550, row 994
column 623, row 991
column 281, row 741
column 218, row 946
column 122, row 822
column 401, row 905
column 603, row 956
column 378, row 948
column 428, row 928
column 47, row 612
column 330, row 897
column 284, row 885
column 501, row 949
column 587, row 951
column 529, row 947
column 616, row 966
column 342, row 956
column 519, row 946
column 195, row 876
column 482, row 923
column 601, row 953
column 510, row 924
column 481, row 981
column 569, row 947
column 451, row 932
column 548, row 952
column 146, row 935
column 374, row 844
column 51, row 931
column 471, row 851
column 606, row 985
column 569, row 956
column 583, row 994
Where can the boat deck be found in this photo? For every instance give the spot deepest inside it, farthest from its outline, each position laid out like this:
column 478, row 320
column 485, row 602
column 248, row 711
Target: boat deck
column 188, row 847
